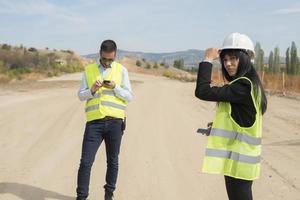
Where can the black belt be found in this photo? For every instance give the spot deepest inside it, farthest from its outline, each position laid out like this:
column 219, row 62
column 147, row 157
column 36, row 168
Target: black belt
column 106, row 118
column 109, row 118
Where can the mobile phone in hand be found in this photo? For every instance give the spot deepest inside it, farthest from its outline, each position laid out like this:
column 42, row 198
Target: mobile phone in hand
column 106, row 82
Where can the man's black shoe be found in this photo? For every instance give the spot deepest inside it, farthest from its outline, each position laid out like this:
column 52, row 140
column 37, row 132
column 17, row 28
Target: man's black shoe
column 81, row 198
column 108, row 196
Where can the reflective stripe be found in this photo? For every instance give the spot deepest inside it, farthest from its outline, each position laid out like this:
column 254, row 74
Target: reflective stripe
column 235, row 135
column 232, row 155
column 108, row 92
column 97, row 95
column 114, row 105
column 90, row 108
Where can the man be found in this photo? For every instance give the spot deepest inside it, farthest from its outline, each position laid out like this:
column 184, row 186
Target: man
column 106, row 90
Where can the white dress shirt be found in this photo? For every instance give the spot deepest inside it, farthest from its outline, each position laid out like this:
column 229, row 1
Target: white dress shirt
column 122, row 91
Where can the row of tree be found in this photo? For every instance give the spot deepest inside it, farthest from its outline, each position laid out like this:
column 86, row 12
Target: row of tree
column 274, row 65
column 147, row 65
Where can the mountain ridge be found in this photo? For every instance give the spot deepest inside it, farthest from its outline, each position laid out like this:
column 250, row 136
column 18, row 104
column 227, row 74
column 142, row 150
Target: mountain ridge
column 191, row 57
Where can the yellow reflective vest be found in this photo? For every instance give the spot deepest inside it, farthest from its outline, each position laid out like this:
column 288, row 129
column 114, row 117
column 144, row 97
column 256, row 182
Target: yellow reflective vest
column 105, row 102
column 233, row 150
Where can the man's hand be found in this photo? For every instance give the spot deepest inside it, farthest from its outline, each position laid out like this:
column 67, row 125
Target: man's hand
column 211, row 54
column 110, row 85
column 96, row 86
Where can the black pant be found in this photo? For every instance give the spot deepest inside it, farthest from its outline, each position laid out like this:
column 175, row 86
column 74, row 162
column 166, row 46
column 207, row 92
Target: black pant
column 95, row 132
column 238, row 189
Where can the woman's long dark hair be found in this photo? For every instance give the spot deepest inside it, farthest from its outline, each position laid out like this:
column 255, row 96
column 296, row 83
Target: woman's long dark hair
column 246, row 69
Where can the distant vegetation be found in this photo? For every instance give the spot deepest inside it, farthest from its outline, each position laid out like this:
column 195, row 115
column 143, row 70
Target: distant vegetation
column 277, row 75
column 274, row 65
column 147, row 64
column 186, row 77
column 138, row 63
column 17, row 62
column 191, row 57
column 164, row 69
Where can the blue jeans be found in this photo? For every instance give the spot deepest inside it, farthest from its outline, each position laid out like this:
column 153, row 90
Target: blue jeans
column 95, row 132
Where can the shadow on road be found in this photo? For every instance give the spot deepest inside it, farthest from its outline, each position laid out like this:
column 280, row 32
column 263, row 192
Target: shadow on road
column 28, row 192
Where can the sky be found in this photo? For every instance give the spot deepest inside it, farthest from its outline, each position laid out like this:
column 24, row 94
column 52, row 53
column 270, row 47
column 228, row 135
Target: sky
column 149, row 26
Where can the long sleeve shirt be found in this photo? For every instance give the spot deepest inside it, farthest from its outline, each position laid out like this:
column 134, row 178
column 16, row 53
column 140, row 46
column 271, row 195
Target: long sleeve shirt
column 238, row 94
column 122, row 91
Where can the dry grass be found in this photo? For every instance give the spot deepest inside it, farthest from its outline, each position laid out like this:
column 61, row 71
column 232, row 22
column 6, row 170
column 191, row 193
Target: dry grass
column 4, row 78
column 281, row 83
column 182, row 76
column 274, row 83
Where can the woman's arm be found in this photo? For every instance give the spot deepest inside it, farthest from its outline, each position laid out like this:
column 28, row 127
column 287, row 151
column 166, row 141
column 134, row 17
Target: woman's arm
column 237, row 92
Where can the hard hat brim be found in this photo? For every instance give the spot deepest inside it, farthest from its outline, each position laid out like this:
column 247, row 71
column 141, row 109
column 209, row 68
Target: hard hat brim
column 249, row 52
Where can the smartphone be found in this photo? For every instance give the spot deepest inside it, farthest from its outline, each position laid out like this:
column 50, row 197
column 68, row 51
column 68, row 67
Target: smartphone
column 106, row 81
column 204, row 131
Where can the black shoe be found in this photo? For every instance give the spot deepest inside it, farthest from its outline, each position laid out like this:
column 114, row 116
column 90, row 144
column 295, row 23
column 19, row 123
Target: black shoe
column 81, row 198
column 108, row 196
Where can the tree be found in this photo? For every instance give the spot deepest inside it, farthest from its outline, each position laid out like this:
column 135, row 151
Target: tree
column 179, row 64
column 6, row 47
column 138, row 63
column 36, row 59
column 276, row 61
column 271, row 58
column 259, row 58
column 294, row 63
column 155, row 65
column 2, row 67
column 148, row 65
column 287, row 61
column 32, row 49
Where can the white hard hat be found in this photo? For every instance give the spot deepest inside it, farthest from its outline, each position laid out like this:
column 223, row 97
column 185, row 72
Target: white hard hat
column 239, row 41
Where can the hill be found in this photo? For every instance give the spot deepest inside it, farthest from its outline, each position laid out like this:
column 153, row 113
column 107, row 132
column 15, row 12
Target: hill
column 19, row 62
column 191, row 57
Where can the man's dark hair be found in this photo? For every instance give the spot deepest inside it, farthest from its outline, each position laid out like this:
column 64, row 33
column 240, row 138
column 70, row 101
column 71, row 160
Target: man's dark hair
column 108, row 46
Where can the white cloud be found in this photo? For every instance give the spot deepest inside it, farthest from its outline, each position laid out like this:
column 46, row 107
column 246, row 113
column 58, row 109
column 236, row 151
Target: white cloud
column 42, row 8
column 286, row 11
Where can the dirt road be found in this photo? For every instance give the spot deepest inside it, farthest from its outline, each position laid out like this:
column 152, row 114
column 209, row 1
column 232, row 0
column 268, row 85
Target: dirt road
column 41, row 129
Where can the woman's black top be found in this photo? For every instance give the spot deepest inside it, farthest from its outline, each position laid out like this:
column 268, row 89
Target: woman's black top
column 238, row 94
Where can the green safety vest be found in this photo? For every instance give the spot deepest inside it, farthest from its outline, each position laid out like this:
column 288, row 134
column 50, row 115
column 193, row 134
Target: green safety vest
column 233, row 150
column 105, row 102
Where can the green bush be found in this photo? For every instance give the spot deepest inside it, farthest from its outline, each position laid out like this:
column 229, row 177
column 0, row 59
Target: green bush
column 19, row 61
column 168, row 73
column 6, row 47
column 2, row 67
column 148, row 65
column 138, row 63
column 32, row 49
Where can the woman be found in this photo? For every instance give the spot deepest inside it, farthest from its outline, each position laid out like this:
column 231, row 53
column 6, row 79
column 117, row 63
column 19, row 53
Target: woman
column 234, row 142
